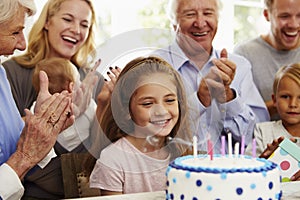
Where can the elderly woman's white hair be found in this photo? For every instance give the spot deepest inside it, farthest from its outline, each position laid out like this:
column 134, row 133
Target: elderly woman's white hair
column 172, row 7
column 8, row 8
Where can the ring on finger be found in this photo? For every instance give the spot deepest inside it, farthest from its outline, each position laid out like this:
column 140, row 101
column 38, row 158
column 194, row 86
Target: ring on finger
column 52, row 120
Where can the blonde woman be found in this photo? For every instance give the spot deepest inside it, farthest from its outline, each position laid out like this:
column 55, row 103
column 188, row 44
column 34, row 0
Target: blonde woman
column 65, row 29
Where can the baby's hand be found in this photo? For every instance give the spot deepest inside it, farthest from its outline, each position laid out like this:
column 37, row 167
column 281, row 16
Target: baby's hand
column 271, row 147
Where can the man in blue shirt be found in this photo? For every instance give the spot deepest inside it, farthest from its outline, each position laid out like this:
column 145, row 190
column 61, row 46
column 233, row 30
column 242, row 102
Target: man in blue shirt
column 222, row 96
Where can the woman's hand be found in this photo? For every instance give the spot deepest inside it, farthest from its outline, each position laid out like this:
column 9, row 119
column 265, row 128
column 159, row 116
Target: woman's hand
column 103, row 97
column 82, row 93
column 52, row 115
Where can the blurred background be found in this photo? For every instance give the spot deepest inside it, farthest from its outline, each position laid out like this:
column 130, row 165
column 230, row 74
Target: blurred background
column 240, row 19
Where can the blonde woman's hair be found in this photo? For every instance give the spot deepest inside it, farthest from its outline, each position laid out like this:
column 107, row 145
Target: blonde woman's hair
column 38, row 42
column 292, row 71
column 9, row 8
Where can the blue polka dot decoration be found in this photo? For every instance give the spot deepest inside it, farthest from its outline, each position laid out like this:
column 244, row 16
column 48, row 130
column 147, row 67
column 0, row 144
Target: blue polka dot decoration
column 168, row 170
column 223, row 176
column 264, row 174
column 171, row 196
column 271, row 185
column 182, row 197
column 168, row 196
column 253, row 186
column 168, row 183
column 209, row 188
column 195, row 198
column 198, row 183
column 278, row 196
column 239, row 191
column 283, row 152
column 188, row 174
column 174, row 180
column 259, row 198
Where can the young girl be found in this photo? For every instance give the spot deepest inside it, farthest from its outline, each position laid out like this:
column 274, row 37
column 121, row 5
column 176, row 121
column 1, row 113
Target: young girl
column 147, row 110
column 286, row 99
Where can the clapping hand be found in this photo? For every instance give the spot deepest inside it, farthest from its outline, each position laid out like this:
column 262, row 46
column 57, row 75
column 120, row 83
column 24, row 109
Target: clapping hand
column 52, row 115
column 82, row 92
column 103, row 97
column 216, row 84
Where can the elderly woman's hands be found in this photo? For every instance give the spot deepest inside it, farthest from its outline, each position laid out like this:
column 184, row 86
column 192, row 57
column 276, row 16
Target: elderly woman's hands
column 52, row 115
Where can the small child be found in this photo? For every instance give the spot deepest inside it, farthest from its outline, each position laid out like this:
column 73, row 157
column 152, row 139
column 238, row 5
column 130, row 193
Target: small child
column 286, row 99
column 62, row 75
column 147, row 111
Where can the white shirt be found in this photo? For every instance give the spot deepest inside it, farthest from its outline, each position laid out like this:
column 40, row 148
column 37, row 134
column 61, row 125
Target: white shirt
column 10, row 184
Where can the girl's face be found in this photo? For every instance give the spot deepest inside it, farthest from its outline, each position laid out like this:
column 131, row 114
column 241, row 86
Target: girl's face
column 68, row 29
column 287, row 101
column 154, row 109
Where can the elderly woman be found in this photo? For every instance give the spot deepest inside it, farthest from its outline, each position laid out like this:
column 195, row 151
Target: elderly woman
column 23, row 144
column 64, row 29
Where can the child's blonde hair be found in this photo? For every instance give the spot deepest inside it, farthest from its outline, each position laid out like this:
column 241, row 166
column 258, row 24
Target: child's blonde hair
column 61, row 72
column 292, row 71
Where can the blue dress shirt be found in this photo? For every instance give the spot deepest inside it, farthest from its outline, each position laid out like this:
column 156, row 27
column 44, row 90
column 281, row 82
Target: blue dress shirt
column 237, row 116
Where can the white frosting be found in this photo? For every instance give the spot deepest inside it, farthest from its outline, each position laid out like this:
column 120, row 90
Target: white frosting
column 223, row 178
column 222, row 162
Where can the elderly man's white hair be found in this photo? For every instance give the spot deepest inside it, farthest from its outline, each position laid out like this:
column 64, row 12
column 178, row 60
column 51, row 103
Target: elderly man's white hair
column 8, row 8
column 173, row 6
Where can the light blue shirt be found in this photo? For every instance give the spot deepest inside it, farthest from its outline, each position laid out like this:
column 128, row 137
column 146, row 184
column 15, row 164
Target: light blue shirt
column 237, row 116
column 11, row 123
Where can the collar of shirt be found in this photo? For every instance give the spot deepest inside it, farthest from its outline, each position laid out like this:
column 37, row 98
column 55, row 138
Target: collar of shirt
column 179, row 58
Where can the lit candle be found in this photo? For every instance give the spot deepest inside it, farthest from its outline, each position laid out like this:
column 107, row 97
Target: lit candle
column 229, row 144
column 195, row 146
column 236, row 149
column 243, row 145
column 223, row 145
column 210, row 149
column 253, row 148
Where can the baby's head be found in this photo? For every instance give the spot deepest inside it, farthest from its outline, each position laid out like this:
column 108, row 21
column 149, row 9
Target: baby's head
column 61, row 72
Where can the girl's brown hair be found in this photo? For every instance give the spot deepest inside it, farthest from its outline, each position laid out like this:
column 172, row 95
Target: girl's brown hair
column 115, row 123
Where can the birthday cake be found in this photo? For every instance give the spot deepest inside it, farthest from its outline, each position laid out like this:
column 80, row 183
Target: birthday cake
column 224, row 177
